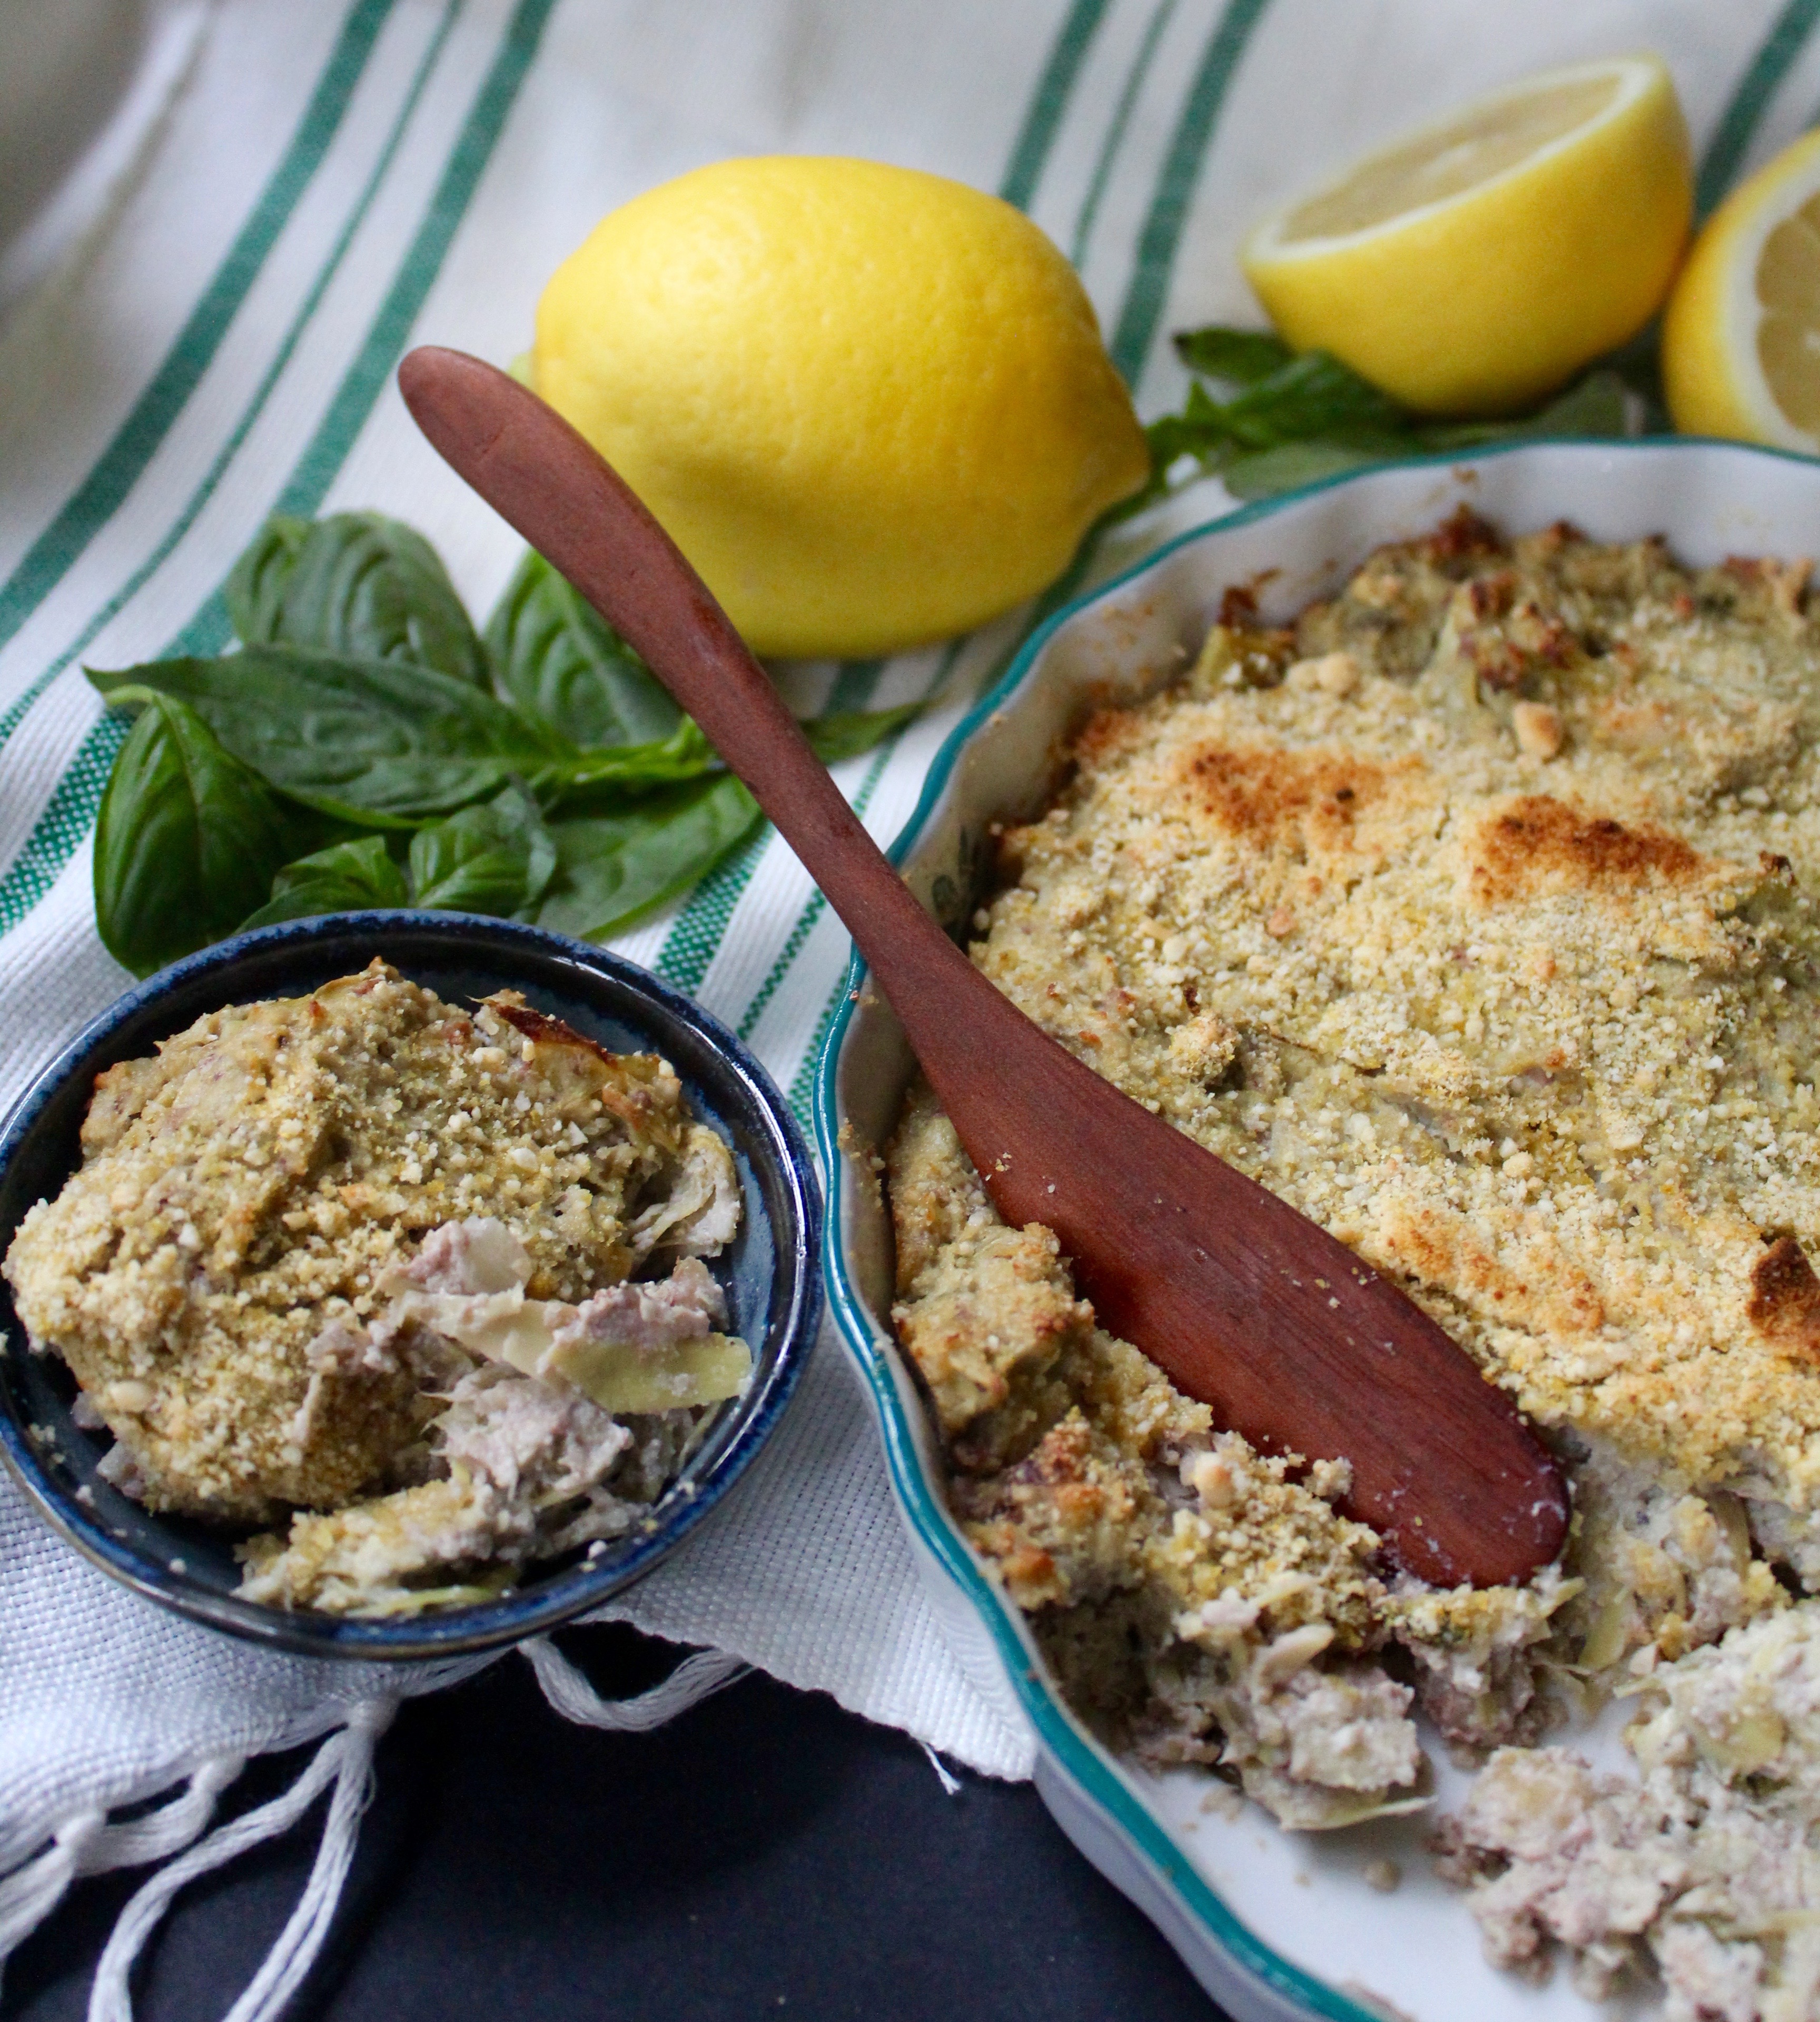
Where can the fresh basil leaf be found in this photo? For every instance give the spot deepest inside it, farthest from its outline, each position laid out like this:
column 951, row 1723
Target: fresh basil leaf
column 1638, row 366
column 1312, row 397
column 556, row 659
column 612, row 869
column 1241, row 357
column 254, row 590
column 847, row 732
column 356, row 585
column 498, row 858
column 1199, row 429
column 346, row 878
column 1593, row 406
column 187, row 840
column 1266, row 472
column 685, row 754
column 1315, row 395
column 378, row 743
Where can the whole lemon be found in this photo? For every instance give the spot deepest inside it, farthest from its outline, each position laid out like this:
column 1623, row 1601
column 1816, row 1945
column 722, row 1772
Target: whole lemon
column 870, row 405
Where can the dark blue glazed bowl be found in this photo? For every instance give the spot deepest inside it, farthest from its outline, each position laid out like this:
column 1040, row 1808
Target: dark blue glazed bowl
column 770, row 1273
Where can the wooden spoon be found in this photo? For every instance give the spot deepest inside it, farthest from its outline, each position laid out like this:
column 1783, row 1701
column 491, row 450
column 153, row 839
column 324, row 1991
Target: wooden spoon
column 1247, row 1304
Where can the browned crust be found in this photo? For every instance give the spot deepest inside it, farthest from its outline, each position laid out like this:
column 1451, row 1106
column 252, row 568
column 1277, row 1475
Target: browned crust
column 1462, row 536
column 542, row 1030
column 1784, row 1298
column 1264, row 796
column 1537, row 841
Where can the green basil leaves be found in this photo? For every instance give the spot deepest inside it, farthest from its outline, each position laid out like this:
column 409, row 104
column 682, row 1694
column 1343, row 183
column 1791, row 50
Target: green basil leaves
column 375, row 742
column 357, row 586
column 498, row 858
column 366, row 747
column 1293, row 418
column 188, row 839
column 346, row 878
column 555, row 660
column 612, row 868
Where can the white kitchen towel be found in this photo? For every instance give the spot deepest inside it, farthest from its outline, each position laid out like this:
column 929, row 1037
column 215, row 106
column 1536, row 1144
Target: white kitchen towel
column 199, row 328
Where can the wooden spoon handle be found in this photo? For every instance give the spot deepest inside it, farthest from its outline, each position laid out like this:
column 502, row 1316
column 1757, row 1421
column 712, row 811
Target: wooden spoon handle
column 580, row 514
column 577, row 511
column 1247, row 1304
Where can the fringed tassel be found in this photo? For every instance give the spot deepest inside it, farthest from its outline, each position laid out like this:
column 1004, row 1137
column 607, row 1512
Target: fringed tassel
column 951, row 1784
column 344, row 1760
column 87, row 1845
column 575, row 1699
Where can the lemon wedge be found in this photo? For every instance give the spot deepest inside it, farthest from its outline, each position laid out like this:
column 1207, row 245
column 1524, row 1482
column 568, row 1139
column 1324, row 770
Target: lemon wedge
column 1741, row 341
column 871, row 405
column 1473, row 267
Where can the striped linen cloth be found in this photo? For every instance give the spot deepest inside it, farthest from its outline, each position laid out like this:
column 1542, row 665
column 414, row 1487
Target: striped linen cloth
column 201, row 329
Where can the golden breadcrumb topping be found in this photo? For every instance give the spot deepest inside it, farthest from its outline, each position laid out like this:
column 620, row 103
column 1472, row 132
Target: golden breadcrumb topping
column 210, row 1272
column 1468, row 913
column 1531, row 1021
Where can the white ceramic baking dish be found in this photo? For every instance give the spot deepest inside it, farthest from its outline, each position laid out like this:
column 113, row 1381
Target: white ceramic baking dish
column 1273, row 1925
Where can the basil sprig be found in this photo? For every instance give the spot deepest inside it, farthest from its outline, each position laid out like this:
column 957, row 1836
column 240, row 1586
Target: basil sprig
column 1289, row 419
column 358, row 585
column 365, row 746
column 186, row 832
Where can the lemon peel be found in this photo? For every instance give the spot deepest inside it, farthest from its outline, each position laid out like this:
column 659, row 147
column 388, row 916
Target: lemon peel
column 1739, row 335
column 870, row 405
column 1472, row 267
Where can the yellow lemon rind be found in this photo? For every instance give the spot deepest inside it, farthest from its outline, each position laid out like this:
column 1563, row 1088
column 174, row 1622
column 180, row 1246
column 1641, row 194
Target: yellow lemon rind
column 1486, row 300
column 1712, row 379
column 872, row 406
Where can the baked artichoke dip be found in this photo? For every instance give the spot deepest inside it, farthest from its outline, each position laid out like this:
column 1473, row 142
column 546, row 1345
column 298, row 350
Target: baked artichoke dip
column 1470, row 914
column 416, row 1293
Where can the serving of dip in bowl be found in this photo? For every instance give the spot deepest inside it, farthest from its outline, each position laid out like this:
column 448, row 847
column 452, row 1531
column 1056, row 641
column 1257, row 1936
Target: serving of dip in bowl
column 1348, row 1924
column 558, row 992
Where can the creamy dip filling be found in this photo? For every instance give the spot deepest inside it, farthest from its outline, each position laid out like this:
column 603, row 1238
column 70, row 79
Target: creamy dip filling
column 361, row 1263
column 1471, row 912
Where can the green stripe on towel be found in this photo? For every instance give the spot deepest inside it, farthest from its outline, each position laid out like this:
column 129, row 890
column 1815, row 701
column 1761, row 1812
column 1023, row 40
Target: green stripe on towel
column 697, row 932
column 211, row 627
column 139, row 436
column 699, row 927
column 1181, row 170
column 1161, row 236
column 1115, row 133
column 1738, row 123
column 1042, row 120
column 71, row 812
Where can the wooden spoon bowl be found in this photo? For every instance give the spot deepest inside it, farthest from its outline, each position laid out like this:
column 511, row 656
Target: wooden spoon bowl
column 1292, row 1339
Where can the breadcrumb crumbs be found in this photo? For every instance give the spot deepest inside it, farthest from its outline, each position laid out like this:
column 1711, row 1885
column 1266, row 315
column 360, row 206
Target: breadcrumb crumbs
column 1472, row 913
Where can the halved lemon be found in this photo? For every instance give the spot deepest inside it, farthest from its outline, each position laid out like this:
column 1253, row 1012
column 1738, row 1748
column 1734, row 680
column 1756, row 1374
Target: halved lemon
column 1740, row 341
column 1474, row 266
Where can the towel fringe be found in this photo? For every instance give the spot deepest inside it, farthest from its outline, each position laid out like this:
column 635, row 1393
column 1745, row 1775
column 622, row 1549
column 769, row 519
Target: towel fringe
column 951, row 1784
column 87, row 1844
column 692, row 1681
column 345, row 1759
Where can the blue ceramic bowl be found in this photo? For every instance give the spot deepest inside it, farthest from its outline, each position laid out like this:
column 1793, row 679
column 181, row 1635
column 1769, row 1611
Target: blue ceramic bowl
column 769, row 1273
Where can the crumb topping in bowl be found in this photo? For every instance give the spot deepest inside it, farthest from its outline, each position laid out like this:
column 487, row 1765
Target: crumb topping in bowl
column 1468, row 913
column 366, row 1255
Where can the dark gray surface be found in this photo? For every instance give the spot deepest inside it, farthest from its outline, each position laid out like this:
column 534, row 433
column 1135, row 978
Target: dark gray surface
column 767, row 1853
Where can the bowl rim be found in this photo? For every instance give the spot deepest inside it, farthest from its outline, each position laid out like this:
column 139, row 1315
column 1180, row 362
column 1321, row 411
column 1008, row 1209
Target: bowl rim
column 1081, row 1760
column 488, row 1625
